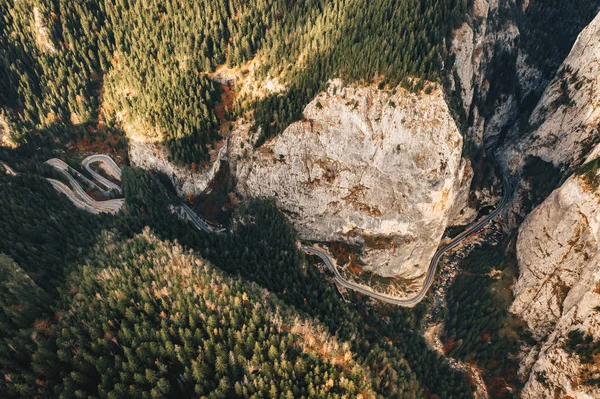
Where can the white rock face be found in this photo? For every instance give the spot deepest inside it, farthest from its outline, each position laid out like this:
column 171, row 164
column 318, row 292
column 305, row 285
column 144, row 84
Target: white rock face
column 463, row 47
column 469, row 47
column 558, row 251
column 151, row 156
column 566, row 120
column 366, row 165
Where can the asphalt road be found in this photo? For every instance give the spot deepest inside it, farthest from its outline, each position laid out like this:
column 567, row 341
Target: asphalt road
column 84, row 201
column 63, row 167
column 198, row 222
column 410, row 302
column 64, row 189
column 108, row 165
column 77, row 194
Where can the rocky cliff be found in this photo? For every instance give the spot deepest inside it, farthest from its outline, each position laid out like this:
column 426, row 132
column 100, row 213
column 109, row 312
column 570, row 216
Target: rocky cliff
column 558, row 247
column 564, row 128
column 558, row 290
column 543, row 123
column 480, row 45
column 368, row 166
column 152, row 156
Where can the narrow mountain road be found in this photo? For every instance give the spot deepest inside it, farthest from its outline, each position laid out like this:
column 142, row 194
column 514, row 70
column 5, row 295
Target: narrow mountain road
column 418, row 297
column 67, row 170
column 198, row 222
column 64, row 189
column 406, row 302
column 82, row 200
column 108, row 165
column 78, row 195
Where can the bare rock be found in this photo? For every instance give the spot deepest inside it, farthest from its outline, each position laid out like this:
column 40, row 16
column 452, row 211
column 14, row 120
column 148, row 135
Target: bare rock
column 558, row 251
column 365, row 166
column 463, row 47
column 564, row 128
column 152, row 156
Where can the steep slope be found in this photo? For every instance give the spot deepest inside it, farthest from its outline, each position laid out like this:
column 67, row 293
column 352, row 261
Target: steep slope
column 506, row 54
column 564, row 128
column 558, row 250
column 365, row 166
column 152, row 156
column 144, row 68
column 558, row 246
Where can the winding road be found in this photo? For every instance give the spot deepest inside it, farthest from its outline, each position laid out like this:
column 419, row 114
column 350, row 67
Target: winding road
column 77, row 195
column 108, row 165
column 198, row 222
column 82, row 200
column 410, row 302
column 64, row 189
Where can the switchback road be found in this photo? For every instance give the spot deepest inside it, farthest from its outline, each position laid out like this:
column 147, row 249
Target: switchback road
column 64, row 189
column 91, row 205
column 78, row 195
column 108, row 165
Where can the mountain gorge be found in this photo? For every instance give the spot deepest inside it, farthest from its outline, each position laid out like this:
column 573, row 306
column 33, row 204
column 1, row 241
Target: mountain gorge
column 452, row 144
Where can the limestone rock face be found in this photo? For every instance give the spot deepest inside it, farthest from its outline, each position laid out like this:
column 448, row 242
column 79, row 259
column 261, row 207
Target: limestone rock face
column 476, row 45
column 465, row 63
column 558, row 251
column 369, row 167
column 151, row 156
column 565, row 125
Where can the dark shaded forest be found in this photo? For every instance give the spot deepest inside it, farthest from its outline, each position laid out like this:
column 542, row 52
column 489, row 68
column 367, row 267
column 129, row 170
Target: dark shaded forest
column 478, row 326
column 109, row 321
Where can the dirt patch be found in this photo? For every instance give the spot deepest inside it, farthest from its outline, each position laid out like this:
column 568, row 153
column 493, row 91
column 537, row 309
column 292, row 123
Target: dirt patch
column 597, row 290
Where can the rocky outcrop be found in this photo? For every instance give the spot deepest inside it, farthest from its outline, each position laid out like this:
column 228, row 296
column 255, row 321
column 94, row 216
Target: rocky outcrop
column 152, row 156
column 564, row 128
column 467, row 45
column 558, row 290
column 366, row 166
column 463, row 47
column 476, row 45
column 42, row 33
column 558, row 247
